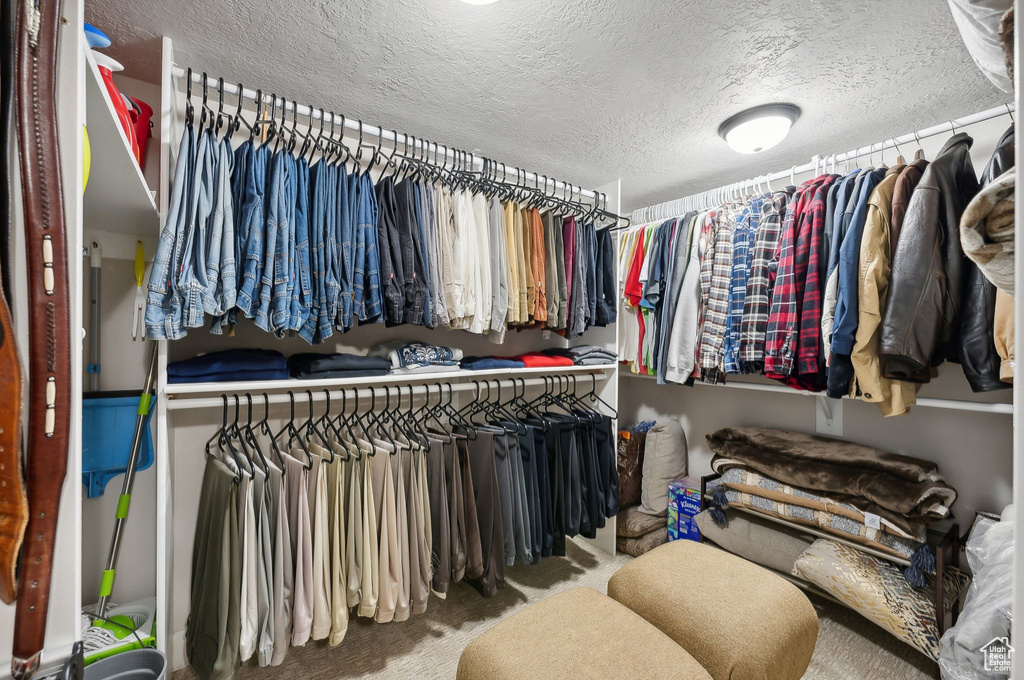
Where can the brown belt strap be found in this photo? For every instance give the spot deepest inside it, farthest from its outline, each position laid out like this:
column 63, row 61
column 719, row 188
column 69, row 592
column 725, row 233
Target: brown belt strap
column 13, row 503
column 49, row 399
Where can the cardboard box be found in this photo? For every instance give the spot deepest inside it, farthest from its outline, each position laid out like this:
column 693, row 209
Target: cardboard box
column 684, row 504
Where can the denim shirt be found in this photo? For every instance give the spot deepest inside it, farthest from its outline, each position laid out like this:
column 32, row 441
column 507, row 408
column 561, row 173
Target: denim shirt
column 332, row 284
column 163, row 301
column 367, row 277
column 274, row 266
column 421, row 242
column 253, row 211
column 192, row 281
column 392, row 277
column 302, row 295
column 316, row 327
column 346, row 249
column 220, row 263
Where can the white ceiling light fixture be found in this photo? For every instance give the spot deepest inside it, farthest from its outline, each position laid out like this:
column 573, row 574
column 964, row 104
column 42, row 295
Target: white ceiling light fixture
column 760, row 128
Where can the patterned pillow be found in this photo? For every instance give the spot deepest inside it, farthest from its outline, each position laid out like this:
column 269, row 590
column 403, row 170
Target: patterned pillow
column 877, row 590
column 632, row 523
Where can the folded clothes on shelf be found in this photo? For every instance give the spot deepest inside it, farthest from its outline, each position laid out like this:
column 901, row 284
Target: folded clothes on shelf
column 491, row 363
column 408, row 357
column 229, row 365
column 336, row 365
column 541, row 360
column 585, row 355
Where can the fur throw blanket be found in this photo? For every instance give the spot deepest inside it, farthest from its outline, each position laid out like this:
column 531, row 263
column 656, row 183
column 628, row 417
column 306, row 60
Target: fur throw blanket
column 900, row 488
column 986, row 230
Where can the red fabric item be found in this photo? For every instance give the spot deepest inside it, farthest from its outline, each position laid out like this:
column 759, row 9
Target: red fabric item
column 538, row 360
column 633, row 290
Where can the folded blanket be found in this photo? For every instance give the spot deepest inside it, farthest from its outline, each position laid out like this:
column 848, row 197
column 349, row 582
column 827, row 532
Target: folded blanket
column 833, row 523
column 748, row 481
column 867, row 478
column 986, row 230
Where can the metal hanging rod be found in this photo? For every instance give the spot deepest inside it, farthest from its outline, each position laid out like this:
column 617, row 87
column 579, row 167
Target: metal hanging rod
column 368, row 392
column 712, row 197
column 926, row 402
column 550, row 184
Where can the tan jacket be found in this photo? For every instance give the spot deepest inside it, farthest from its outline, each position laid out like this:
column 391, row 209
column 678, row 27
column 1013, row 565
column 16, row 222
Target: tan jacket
column 894, row 397
column 1004, row 334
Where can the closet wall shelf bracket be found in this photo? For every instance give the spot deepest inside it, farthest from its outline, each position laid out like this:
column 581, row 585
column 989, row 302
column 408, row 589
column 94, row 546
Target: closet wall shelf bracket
column 117, row 198
column 926, row 402
column 207, row 395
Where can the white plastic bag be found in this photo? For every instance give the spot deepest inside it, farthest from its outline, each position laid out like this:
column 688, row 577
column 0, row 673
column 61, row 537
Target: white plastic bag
column 986, row 615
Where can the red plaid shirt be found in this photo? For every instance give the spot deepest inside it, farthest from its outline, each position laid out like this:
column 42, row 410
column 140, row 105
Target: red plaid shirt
column 808, row 265
column 783, row 322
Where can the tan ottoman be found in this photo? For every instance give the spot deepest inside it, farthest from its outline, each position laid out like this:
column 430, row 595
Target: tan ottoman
column 577, row 634
column 739, row 620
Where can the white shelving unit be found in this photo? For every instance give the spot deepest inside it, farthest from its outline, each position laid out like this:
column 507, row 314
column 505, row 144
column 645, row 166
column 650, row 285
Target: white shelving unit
column 117, row 198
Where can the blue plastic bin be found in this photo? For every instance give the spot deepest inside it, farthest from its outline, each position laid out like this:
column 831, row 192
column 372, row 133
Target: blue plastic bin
column 108, row 425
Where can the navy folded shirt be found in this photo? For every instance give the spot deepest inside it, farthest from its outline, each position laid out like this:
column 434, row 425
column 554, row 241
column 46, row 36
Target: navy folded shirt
column 230, row 364
column 337, row 365
column 490, row 363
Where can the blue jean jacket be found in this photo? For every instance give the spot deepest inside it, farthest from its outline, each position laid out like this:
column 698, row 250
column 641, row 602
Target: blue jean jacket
column 302, row 295
column 251, row 233
column 192, row 282
column 421, row 233
column 332, row 257
column 346, row 243
column 163, row 301
column 220, row 261
column 367, row 299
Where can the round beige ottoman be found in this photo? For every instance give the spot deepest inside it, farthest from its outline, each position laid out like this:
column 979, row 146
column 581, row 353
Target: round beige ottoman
column 576, row 634
column 739, row 620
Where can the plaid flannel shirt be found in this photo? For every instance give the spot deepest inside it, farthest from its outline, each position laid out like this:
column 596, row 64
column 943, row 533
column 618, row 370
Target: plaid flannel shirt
column 763, row 266
column 780, row 339
column 705, row 251
column 743, row 240
column 716, row 313
column 812, row 237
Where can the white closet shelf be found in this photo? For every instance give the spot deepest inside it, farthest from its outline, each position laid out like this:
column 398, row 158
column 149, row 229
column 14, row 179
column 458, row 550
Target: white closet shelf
column 927, row 402
column 184, row 395
column 117, row 198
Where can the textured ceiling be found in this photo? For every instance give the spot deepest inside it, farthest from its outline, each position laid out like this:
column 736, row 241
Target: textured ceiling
column 583, row 90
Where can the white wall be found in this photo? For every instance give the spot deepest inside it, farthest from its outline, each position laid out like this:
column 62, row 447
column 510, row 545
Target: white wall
column 973, row 450
column 123, row 367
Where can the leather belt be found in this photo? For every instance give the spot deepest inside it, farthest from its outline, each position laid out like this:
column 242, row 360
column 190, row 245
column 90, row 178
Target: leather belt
column 7, row 19
column 49, row 383
column 13, row 503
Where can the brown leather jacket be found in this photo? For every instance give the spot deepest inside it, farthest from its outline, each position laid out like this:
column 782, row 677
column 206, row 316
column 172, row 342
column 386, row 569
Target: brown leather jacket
column 922, row 321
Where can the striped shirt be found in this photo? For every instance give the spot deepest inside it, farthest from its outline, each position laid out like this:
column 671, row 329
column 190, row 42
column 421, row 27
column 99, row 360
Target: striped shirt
column 742, row 251
column 716, row 271
column 760, row 282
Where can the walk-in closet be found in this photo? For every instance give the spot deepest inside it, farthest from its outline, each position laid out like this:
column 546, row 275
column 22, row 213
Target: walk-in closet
column 502, row 339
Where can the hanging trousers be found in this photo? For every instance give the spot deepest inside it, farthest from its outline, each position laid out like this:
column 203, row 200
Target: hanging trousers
column 529, row 459
column 213, row 627
column 506, row 491
column 488, row 507
column 544, row 488
column 440, row 519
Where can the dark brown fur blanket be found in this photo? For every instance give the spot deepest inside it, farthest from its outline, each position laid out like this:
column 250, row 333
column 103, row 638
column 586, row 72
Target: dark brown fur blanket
column 900, row 484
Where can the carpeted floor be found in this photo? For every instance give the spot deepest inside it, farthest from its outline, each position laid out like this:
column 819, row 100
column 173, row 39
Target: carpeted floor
column 428, row 646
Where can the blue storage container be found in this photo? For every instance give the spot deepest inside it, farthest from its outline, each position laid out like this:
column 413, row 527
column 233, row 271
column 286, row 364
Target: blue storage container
column 108, row 425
